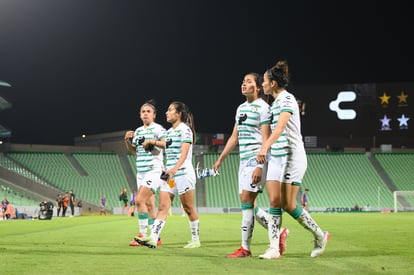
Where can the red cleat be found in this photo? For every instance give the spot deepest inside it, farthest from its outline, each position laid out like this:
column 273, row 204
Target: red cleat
column 240, row 253
column 282, row 240
column 134, row 243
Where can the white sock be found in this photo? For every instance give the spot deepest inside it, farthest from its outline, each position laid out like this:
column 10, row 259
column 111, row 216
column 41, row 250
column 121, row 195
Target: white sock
column 247, row 228
column 274, row 230
column 156, row 228
column 261, row 217
column 143, row 226
column 195, row 230
column 309, row 223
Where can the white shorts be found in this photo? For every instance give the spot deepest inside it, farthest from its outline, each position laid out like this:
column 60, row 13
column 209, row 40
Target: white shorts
column 295, row 168
column 275, row 168
column 183, row 184
column 150, row 179
column 246, row 169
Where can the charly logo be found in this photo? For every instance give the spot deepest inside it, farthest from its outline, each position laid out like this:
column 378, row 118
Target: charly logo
column 343, row 96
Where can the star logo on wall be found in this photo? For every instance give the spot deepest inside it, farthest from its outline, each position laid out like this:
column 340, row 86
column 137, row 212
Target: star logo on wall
column 403, row 121
column 385, row 123
column 385, row 99
column 402, row 98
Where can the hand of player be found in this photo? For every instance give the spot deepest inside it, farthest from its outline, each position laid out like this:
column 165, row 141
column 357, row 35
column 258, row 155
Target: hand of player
column 261, row 157
column 256, row 176
column 129, row 134
column 216, row 166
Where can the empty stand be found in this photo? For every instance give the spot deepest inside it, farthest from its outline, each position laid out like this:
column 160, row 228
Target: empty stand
column 16, row 198
column 399, row 167
column 343, row 180
column 104, row 173
column 335, row 180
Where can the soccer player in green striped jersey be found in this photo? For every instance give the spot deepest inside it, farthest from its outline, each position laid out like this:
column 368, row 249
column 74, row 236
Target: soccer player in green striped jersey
column 146, row 143
column 288, row 125
column 251, row 128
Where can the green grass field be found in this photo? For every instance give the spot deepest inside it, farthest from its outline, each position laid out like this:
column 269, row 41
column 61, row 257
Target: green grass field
column 361, row 243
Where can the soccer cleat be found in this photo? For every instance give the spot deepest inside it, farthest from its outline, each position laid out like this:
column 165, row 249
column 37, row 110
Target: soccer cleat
column 320, row 245
column 192, row 244
column 282, row 240
column 240, row 253
column 134, row 243
column 147, row 241
column 270, row 253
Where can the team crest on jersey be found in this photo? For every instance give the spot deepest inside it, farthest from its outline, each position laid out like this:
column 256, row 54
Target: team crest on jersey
column 141, row 140
column 242, row 118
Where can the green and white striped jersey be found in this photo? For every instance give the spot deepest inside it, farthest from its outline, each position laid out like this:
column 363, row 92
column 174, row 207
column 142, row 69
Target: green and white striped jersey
column 148, row 160
column 173, row 141
column 250, row 116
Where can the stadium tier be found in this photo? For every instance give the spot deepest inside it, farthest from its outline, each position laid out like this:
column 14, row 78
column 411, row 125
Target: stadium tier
column 102, row 173
column 15, row 197
column 399, row 167
column 335, row 180
column 344, row 180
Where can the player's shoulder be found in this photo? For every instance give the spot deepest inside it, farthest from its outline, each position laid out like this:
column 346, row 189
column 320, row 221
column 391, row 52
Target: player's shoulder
column 183, row 126
column 287, row 95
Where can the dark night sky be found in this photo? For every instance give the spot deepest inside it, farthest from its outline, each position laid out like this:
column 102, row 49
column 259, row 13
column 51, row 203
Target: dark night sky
column 79, row 66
